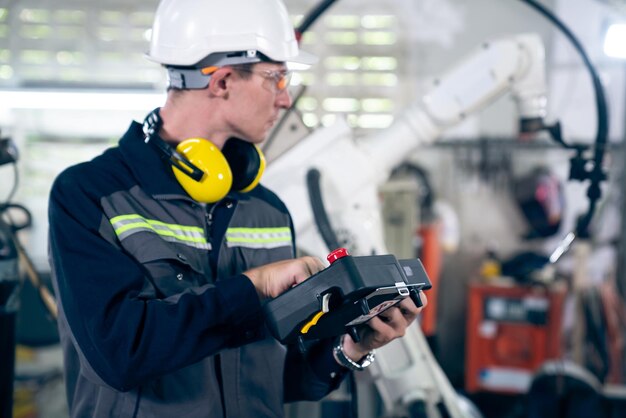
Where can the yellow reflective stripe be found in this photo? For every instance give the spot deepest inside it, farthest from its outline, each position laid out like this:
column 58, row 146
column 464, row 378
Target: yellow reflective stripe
column 259, row 237
column 155, row 222
column 280, row 230
column 125, row 225
column 259, row 240
column 166, row 233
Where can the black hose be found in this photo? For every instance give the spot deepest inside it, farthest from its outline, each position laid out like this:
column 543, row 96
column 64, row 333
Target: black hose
column 596, row 175
column 312, row 16
column 5, row 208
column 320, row 215
column 426, row 199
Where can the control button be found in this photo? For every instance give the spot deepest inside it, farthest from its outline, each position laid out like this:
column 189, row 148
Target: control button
column 336, row 255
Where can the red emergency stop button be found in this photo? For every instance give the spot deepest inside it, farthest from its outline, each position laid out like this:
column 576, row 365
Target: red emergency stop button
column 336, row 255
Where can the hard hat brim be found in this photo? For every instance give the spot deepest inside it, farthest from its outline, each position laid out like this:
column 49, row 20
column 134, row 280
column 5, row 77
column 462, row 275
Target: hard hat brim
column 302, row 61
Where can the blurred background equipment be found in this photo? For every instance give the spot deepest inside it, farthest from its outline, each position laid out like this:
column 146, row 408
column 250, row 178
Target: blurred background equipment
column 541, row 198
column 511, row 332
column 19, row 323
column 8, row 151
column 9, row 296
column 413, row 229
column 84, row 62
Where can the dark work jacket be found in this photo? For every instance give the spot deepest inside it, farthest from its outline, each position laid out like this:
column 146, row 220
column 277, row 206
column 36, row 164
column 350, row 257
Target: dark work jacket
column 155, row 318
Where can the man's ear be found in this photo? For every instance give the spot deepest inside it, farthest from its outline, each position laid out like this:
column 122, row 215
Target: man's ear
column 219, row 84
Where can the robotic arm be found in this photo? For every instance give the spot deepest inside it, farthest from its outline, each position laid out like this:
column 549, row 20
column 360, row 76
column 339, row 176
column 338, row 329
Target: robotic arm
column 350, row 170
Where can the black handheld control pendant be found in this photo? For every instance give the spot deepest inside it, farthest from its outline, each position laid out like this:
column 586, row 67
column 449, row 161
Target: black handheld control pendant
column 348, row 293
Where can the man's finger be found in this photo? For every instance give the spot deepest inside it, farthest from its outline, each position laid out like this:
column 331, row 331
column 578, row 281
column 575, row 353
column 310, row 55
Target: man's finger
column 395, row 318
column 313, row 264
column 381, row 332
column 409, row 309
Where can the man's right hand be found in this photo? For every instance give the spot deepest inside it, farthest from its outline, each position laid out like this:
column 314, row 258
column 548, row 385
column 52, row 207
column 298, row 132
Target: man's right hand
column 270, row 280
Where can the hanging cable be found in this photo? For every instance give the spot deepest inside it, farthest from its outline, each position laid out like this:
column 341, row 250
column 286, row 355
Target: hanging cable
column 579, row 169
column 312, row 17
column 320, row 215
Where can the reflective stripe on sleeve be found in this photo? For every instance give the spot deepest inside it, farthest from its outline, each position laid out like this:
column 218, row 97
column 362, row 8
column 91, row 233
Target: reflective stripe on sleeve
column 127, row 225
column 258, row 237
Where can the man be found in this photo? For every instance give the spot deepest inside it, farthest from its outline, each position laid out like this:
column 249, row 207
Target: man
column 160, row 289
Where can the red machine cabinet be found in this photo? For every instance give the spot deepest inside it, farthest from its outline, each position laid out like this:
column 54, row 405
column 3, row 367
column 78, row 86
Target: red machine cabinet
column 511, row 331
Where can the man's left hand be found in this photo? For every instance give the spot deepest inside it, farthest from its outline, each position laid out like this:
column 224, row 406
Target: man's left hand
column 384, row 328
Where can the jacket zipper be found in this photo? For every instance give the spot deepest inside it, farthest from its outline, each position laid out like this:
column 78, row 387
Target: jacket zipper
column 209, row 218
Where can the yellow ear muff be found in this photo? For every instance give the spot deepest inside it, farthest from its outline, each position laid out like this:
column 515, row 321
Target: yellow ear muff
column 260, row 170
column 217, row 179
column 247, row 162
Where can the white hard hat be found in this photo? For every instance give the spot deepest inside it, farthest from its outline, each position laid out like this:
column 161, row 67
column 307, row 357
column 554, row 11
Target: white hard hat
column 186, row 32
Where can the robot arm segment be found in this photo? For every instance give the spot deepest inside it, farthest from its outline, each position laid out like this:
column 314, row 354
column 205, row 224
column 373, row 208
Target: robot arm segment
column 353, row 169
column 515, row 65
column 510, row 64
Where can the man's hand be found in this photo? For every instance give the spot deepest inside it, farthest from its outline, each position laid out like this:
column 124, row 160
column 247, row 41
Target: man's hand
column 273, row 279
column 384, row 328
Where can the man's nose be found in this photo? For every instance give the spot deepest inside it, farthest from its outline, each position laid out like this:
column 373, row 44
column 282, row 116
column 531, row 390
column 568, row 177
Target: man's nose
column 283, row 99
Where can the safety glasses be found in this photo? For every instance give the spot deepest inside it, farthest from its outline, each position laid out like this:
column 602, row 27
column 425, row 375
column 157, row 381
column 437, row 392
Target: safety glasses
column 280, row 78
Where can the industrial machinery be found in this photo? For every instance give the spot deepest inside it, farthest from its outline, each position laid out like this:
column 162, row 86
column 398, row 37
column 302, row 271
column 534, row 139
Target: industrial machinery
column 352, row 169
column 13, row 261
column 511, row 332
column 9, row 294
column 9, row 289
column 330, row 182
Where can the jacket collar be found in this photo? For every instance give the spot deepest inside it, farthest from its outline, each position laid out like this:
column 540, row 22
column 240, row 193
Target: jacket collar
column 150, row 170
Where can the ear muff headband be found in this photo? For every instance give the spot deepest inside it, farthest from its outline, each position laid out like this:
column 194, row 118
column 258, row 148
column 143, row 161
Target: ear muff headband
column 151, row 126
column 203, row 171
